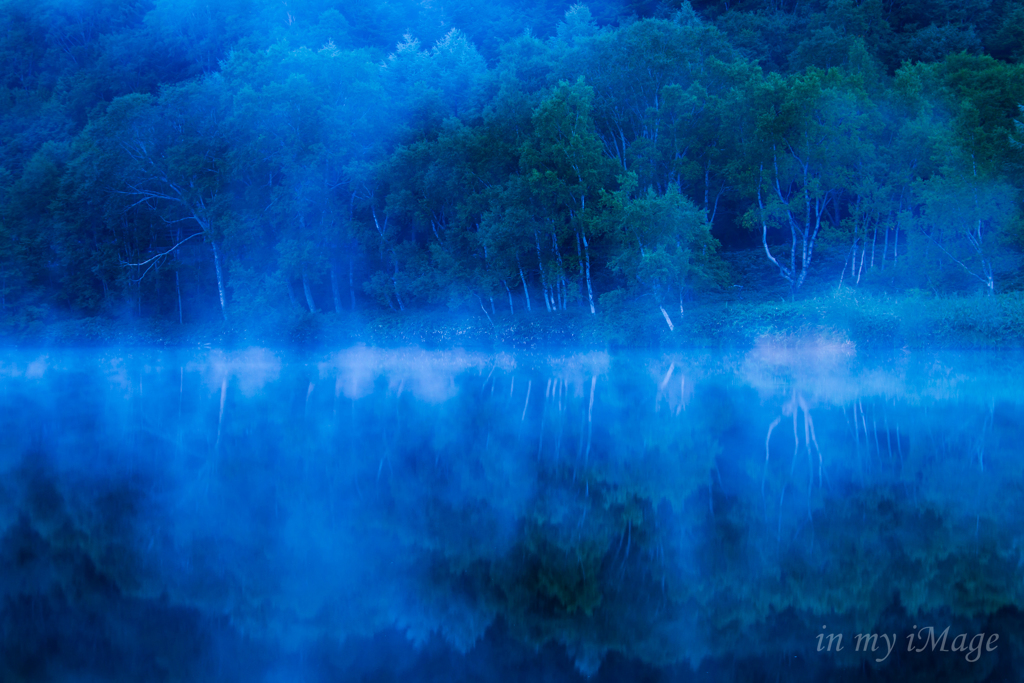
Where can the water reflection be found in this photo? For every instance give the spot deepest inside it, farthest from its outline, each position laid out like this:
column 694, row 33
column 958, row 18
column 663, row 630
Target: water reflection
column 719, row 512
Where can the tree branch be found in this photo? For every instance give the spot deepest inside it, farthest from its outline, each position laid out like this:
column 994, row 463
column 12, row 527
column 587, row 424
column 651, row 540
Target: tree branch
column 958, row 261
column 165, row 253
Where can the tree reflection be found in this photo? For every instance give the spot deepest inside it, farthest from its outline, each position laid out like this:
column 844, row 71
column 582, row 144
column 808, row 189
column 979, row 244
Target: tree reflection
column 633, row 504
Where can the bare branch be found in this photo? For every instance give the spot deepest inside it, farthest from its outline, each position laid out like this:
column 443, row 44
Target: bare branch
column 957, row 261
column 165, row 253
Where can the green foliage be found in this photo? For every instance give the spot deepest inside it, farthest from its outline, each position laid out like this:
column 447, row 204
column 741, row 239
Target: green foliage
column 665, row 247
column 379, row 157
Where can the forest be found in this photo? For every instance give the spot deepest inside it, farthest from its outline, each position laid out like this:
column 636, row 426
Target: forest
column 618, row 170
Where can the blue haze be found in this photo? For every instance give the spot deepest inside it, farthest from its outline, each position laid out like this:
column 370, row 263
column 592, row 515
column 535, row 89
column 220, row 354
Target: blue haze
column 414, row 515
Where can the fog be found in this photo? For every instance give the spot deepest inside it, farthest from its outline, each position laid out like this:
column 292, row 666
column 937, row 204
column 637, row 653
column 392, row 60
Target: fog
column 257, row 515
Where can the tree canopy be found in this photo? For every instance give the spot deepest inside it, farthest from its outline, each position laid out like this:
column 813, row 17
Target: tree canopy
column 189, row 162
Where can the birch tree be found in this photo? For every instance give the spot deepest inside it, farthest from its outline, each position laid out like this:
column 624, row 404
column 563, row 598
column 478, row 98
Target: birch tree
column 655, row 82
column 663, row 244
column 1017, row 137
column 167, row 154
column 811, row 135
column 301, row 121
column 566, row 169
column 966, row 218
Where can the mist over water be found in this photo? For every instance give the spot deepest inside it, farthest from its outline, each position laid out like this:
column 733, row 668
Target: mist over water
column 406, row 514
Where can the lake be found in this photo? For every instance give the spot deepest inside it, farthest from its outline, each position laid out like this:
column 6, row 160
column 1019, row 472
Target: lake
column 787, row 513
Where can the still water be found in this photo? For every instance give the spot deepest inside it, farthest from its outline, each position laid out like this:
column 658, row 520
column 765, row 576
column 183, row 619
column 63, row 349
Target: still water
column 778, row 515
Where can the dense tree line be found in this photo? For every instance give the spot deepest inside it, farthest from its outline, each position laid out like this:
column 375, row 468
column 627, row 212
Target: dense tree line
column 189, row 160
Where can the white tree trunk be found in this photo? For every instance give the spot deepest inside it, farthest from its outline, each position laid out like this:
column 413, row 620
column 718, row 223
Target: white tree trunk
column 668, row 320
column 511, row 308
column 351, row 285
column 560, row 282
column 309, row 295
column 220, row 280
column 177, row 287
column 863, row 255
column 874, row 239
column 394, row 281
column 803, row 232
column 543, row 279
column 590, row 287
column 525, row 290
column 579, row 256
column 335, row 291
column 885, row 247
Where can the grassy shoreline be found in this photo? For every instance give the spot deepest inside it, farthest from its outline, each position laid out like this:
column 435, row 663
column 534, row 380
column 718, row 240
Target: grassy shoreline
column 868, row 321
